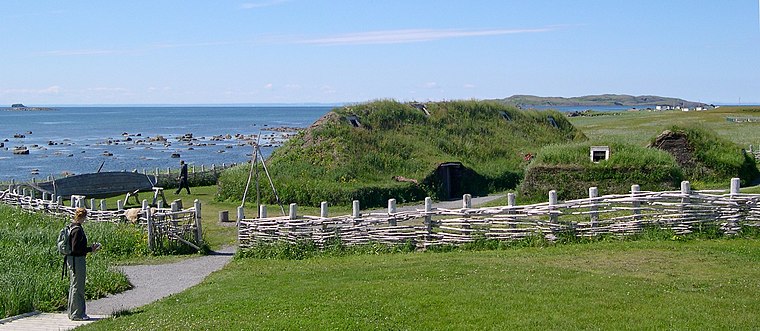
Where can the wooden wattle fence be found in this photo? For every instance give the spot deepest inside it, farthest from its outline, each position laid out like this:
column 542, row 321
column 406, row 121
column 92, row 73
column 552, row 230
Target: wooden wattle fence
column 173, row 223
column 683, row 211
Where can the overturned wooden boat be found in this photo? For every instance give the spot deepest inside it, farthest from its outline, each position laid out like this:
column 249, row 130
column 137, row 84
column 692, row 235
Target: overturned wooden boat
column 97, row 185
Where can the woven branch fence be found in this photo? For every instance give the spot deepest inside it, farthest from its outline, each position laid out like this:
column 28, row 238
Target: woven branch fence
column 173, row 223
column 683, row 211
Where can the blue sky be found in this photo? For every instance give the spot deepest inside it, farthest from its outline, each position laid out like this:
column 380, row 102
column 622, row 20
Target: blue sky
column 315, row 51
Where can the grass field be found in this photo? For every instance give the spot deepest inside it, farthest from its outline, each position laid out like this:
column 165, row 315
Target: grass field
column 639, row 127
column 697, row 284
column 30, row 277
column 684, row 284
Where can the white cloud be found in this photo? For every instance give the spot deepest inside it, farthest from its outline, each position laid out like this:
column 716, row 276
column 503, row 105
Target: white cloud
column 261, row 4
column 55, row 89
column 431, row 85
column 413, row 35
column 469, row 86
column 327, row 89
column 74, row 52
column 268, row 86
column 107, row 89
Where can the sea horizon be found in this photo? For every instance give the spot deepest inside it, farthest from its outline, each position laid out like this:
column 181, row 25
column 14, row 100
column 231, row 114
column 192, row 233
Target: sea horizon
column 77, row 140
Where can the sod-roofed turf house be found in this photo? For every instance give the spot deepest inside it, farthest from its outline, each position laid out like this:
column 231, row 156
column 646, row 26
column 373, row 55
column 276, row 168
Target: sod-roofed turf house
column 679, row 153
column 569, row 170
column 385, row 149
column 705, row 156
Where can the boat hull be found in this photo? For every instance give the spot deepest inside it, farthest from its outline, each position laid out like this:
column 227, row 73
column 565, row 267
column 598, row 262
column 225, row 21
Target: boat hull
column 98, row 185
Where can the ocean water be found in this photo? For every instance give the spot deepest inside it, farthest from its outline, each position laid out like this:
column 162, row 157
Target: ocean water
column 78, row 140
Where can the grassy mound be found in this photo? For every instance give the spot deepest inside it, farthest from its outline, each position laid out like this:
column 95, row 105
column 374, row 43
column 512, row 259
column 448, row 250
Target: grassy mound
column 385, row 149
column 568, row 170
column 705, row 156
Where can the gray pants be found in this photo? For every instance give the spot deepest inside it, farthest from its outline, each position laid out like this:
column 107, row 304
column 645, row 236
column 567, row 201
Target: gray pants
column 77, row 272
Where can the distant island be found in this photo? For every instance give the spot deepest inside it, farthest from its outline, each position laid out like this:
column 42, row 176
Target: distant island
column 21, row 107
column 600, row 100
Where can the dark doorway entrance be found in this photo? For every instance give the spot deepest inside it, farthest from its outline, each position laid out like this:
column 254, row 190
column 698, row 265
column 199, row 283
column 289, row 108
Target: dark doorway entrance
column 450, row 174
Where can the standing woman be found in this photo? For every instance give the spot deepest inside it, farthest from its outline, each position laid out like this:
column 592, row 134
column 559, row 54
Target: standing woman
column 77, row 265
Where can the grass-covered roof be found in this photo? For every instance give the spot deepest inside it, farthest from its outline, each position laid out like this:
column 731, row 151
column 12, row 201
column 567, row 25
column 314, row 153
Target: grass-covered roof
column 387, row 149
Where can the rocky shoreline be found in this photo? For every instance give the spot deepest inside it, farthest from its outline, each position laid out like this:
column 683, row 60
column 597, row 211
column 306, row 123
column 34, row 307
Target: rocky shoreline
column 174, row 146
column 27, row 108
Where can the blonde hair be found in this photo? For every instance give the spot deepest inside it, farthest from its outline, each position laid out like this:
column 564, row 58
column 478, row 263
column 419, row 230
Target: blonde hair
column 80, row 214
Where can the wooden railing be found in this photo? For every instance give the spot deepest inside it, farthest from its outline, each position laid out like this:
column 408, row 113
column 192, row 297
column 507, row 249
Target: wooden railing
column 682, row 211
column 173, row 223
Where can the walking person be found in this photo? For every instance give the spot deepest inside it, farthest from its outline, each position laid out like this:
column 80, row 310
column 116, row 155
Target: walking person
column 183, row 178
column 77, row 265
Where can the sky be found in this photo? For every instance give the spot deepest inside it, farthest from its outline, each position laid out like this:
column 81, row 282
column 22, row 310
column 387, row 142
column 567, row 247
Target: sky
column 344, row 51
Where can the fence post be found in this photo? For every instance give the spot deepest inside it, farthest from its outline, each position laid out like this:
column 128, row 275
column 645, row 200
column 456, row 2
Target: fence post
column 685, row 192
column 293, row 211
column 103, row 204
column 552, row 205
column 198, row 230
column 59, row 202
column 92, row 204
column 735, row 185
column 467, row 201
column 151, row 235
column 429, row 218
column 156, row 171
column 391, row 211
column 511, row 202
column 262, row 211
column 240, row 213
column 635, row 189
column 119, row 204
column 323, row 209
column 593, row 193
column 356, row 212
column 732, row 226
column 391, row 206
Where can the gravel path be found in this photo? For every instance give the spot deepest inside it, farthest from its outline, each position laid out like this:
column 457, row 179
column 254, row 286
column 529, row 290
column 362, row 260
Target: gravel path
column 153, row 282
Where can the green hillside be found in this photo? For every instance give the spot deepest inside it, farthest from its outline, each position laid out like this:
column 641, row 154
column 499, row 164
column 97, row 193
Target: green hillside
column 598, row 100
column 385, row 149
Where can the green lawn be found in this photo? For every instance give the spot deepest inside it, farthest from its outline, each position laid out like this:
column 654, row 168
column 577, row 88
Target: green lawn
column 697, row 284
column 639, row 127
